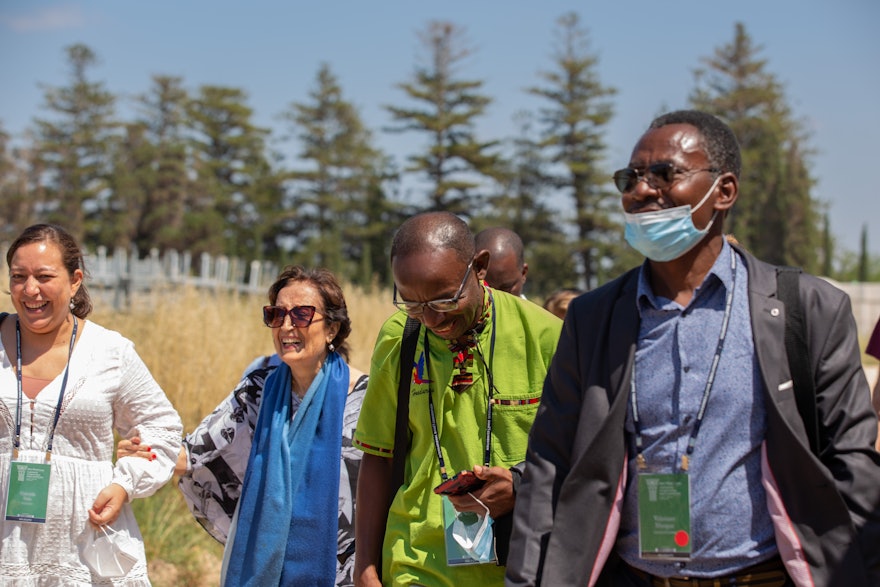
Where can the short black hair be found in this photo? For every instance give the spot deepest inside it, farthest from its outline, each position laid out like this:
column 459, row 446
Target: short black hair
column 721, row 146
column 501, row 239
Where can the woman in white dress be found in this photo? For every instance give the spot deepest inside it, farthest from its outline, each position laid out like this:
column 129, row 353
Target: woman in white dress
column 65, row 384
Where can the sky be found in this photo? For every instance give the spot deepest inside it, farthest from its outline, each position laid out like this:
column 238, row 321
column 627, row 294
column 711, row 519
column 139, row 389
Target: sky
column 826, row 55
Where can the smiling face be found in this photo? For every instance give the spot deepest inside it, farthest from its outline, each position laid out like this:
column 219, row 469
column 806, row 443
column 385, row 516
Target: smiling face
column 437, row 274
column 682, row 146
column 41, row 287
column 303, row 349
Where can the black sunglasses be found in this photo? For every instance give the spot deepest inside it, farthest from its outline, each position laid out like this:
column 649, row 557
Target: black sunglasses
column 300, row 316
column 659, row 176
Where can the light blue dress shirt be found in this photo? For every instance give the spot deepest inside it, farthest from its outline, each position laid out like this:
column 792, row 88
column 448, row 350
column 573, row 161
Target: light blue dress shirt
column 731, row 527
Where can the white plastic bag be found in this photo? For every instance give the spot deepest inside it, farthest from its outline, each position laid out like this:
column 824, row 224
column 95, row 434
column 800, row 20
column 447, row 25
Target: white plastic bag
column 107, row 552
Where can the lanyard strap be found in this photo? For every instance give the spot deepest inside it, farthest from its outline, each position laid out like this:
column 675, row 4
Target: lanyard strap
column 488, row 444
column 18, row 402
column 710, row 380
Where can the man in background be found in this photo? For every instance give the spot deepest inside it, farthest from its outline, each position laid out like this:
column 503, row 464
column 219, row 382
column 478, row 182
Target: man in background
column 507, row 268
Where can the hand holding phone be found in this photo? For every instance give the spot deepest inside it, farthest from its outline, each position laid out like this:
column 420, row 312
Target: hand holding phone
column 459, row 484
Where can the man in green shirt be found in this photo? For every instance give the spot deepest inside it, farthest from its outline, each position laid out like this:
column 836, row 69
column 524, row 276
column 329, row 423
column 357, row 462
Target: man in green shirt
column 476, row 384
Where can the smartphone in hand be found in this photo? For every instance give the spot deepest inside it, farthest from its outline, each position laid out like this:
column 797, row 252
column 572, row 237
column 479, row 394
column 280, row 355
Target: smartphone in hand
column 459, row 484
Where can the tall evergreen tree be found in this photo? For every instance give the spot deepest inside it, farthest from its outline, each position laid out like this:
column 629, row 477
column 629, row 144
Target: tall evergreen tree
column 16, row 203
column 455, row 163
column 864, row 262
column 339, row 198
column 235, row 188
column 130, row 186
column 573, row 128
column 523, row 207
column 776, row 216
column 827, row 248
column 162, row 111
column 74, row 147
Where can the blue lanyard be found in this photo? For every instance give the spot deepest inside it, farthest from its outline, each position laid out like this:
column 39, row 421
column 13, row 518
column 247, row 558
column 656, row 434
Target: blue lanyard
column 18, row 402
column 488, row 445
column 685, row 458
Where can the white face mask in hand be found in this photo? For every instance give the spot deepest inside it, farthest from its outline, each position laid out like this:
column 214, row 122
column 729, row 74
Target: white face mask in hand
column 473, row 532
column 106, row 552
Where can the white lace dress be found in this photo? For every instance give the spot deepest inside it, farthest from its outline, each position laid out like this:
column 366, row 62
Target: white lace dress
column 108, row 387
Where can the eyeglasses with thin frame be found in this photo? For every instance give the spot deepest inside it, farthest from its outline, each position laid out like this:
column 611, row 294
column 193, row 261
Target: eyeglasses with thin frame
column 447, row 305
column 300, row 316
column 660, row 176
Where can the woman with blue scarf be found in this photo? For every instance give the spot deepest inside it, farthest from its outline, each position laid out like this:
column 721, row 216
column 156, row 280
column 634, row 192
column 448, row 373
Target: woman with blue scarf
column 271, row 473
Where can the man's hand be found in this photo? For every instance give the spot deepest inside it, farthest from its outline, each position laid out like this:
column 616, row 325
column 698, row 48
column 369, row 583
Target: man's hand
column 107, row 505
column 496, row 494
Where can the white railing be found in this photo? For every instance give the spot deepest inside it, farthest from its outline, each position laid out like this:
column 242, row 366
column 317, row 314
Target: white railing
column 123, row 272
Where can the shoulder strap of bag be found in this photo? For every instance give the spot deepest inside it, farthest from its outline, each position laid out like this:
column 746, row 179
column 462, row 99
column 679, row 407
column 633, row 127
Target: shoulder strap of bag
column 788, row 291
column 401, row 427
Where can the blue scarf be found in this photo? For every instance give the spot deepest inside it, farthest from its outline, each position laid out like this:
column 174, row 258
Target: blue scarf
column 285, row 531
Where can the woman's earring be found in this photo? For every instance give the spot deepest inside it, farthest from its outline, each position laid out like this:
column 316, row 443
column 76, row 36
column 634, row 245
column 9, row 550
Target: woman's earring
column 72, row 305
column 331, row 347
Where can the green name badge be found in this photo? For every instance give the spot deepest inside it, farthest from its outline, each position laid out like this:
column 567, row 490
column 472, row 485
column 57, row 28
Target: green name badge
column 664, row 516
column 28, row 495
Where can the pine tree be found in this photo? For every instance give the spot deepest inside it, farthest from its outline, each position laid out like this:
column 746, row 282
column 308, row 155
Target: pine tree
column 163, row 113
column 74, row 148
column 129, row 185
column 523, row 207
column 827, row 247
column 573, row 128
column 235, row 189
column 455, row 163
column 775, row 215
column 16, row 204
column 339, row 198
column 864, row 262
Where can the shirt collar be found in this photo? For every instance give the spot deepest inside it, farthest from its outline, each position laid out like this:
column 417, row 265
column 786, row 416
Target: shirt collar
column 720, row 272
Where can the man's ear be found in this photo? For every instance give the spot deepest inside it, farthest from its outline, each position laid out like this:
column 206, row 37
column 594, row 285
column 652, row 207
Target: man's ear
column 728, row 191
column 481, row 264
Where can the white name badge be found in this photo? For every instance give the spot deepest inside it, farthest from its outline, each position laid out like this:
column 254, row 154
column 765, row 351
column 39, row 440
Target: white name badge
column 27, row 497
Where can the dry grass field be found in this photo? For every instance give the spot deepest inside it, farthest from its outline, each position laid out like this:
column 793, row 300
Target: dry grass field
column 196, row 344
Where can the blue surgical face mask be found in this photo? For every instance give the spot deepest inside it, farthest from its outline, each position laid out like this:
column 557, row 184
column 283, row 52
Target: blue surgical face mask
column 667, row 234
column 475, row 535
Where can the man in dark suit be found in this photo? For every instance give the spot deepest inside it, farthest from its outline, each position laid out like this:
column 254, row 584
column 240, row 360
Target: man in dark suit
column 668, row 448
